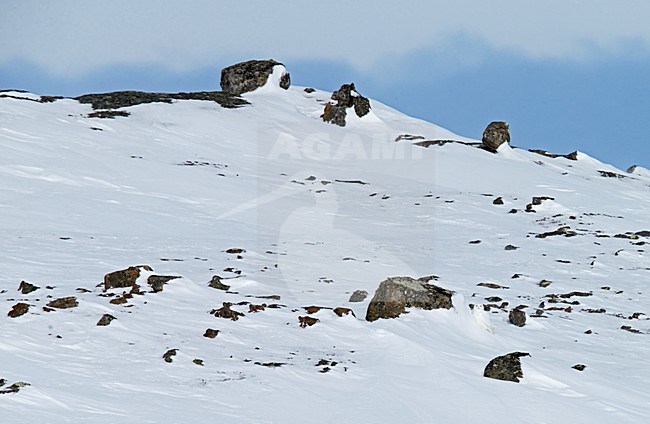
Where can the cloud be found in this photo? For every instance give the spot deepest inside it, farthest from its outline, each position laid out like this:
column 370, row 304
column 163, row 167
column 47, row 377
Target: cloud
column 72, row 37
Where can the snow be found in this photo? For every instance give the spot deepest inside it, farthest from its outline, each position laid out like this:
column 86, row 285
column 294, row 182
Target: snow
column 175, row 185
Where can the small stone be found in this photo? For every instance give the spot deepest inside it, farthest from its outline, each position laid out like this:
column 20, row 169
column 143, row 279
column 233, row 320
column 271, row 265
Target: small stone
column 198, row 361
column 158, row 281
column 211, row 333
column 26, row 288
column 235, row 250
column 169, row 354
column 511, row 247
column 358, row 296
column 226, row 312
column 498, row 201
column 340, row 311
column 545, row 283
column 64, row 303
column 105, row 320
column 306, row 321
column 216, row 283
column 579, row 367
column 18, row 309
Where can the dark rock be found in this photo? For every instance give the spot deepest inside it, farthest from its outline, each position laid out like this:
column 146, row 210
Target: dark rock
column 108, row 114
column 517, row 317
column 537, row 200
column 309, row 90
column 169, row 354
column 124, row 278
column 511, row 247
column 18, row 309
column 120, row 99
column 340, row 311
column 105, row 320
column 643, row 233
column 26, row 288
column 226, row 312
column 158, row 281
column 256, row 308
column 211, row 333
column 14, row 388
column 562, row 231
column 64, row 303
column 216, row 283
column 498, row 201
column 495, row 135
column 570, row 156
column 506, row 367
column 235, row 250
column 248, row 76
column 608, row 174
column 579, row 367
column 312, row 309
column 358, row 296
column 492, row 286
column 396, row 294
column 198, row 362
column 345, row 97
column 544, row 283
column 306, row 321
column 270, row 364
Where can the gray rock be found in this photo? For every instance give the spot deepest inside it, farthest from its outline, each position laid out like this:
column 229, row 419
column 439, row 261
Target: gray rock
column 216, row 283
column 358, row 296
column 26, row 288
column 495, row 135
column 506, row 367
column 158, row 281
column 247, row 76
column 105, row 320
column 517, row 317
column 396, row 294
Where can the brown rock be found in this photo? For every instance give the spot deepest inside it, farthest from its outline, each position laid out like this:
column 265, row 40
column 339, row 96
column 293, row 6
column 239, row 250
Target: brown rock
column 64, row 303
column 211, row 333
column 495, row 135
column 27, row 288
column 18, row 309
column 105, row 320
column 124, row 278
column 306, row 321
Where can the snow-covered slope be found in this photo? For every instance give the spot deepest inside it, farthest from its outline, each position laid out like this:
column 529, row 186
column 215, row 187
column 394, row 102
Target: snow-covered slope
column 321, row 211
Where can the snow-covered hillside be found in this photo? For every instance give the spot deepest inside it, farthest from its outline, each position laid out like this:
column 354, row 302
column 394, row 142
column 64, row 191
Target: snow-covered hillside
column 294, row 212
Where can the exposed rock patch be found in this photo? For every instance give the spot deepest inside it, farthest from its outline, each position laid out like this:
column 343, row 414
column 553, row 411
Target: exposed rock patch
column 216, row 283
column 105, row 320
column 226, row 312
column 64, row 303
column 124, row 278
column 158, row 281
column 345, row 97
column 250, row 75
column 18, row 309
column 517, row 317
column 119, row 99
column 306, row 321
column 570, row 156
column 168, row 356
column 506, row 367
column 211, row 333
column 27, row 288
column 396, row 294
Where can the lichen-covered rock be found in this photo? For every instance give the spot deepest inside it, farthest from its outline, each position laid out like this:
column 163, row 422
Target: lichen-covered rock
column 247, row 76
column 27, row 288
column 345, row 97
column 105, row 320
column 124, row 278
column 64, row 303
column 506, row 367
column 396, row 294
column 358, row 296
column 495, row 135
column 18, row 309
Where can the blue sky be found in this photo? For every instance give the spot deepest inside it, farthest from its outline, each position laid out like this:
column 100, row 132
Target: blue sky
column 565, row 75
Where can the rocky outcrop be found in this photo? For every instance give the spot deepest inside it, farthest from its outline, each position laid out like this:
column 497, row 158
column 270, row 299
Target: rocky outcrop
column 495, row 135
column 216, row 283
column 506, row 367
column 248, row 76
column 64, row 303
column 125, row 277
column 571, row 156
column 18, row 309
column 345, row 97
column 119, row 99
column 396, row 294
column 105, row 320
column 517, row 317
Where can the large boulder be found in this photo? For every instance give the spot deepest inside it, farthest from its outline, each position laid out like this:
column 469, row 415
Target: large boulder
column 506, row 367
column 396, row 294
column 247, row 76
column 495, row 135
column 345, row 97
column 124, row 278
